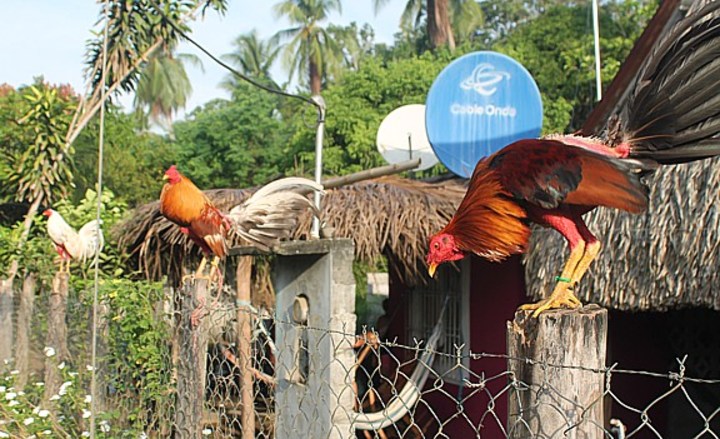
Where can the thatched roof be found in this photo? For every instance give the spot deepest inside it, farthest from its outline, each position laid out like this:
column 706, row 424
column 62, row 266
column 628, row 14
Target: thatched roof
column 668, row 257
column 389, row 216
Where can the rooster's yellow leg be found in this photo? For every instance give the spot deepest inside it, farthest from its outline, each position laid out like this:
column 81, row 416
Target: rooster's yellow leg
column 592, row 249
column 198, row 272
column 562, row 295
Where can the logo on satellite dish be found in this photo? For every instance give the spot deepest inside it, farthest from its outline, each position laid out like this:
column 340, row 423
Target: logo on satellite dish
column 483, row 79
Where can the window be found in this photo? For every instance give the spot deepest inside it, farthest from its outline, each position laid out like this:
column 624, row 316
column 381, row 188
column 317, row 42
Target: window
column 426, row 303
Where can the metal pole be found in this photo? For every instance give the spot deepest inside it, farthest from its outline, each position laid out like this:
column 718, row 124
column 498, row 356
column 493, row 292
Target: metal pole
column 596, row 35
column 315, row 232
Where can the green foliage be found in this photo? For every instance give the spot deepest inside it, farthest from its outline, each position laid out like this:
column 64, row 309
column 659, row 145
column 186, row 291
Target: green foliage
column 42, row 164
column 65, row 415
column 557, row 49
column 356, row 106
column 133, row 161
column 234, row 143
column 138, row 358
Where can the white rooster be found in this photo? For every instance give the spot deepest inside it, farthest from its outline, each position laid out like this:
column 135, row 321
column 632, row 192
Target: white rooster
column 81, row 245
column 271, row 214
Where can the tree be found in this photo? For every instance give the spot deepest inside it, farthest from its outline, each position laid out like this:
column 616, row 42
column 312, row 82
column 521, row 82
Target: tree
column 357, row 104
column 237, row 143
column 163, row 87
column 309, row 46
column 448, row 21
column 253, row 57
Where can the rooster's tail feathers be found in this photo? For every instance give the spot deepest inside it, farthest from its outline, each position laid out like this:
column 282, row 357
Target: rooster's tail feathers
column 674, row 111
column 89, row 244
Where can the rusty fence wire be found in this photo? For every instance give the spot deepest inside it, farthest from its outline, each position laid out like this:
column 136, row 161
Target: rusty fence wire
column 215, row 367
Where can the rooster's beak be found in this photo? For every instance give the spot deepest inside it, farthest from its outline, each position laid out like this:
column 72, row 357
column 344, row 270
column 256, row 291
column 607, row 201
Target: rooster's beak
column 165, row 177
column 431, row 269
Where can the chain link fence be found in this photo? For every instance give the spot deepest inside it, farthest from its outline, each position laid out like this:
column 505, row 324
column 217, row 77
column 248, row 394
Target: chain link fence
column 184, row 365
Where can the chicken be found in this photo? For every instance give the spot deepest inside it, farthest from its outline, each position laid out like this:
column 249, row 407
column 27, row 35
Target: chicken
column 182, row 203
column 272, row 213
column 671, row 116
column 70, row 244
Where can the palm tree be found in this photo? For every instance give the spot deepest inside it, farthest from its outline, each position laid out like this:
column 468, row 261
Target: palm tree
column 309, row 44
column 253, row 57
column 163, row 87
column 448, row 21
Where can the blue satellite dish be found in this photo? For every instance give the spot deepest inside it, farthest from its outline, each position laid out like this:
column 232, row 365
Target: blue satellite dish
column 478, row 104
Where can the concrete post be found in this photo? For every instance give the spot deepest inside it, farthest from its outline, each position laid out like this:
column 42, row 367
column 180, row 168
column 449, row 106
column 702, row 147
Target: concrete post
column 315, row 327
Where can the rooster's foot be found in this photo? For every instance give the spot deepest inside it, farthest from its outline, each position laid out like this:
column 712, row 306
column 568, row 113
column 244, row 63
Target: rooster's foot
column 562, row 297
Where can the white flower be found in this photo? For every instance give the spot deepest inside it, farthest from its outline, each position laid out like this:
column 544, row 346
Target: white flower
column 73, row 374
column 89, row 368
column 63, row 387
column 49, row 351
column 3, row 434
column 14, row 372
column 47, row 432
column 32, row 436
column 85, row 434
column 36, row 410
column 86, row 413
column 142, row 436
column 2, row 389
column 10, row 396
column 104, row 426
column 207, row 432
column 43, row 413
column 61, row 365
column 55, row 397
column 88, row 399
column 13, row 403
column 29, row 421
column 39, row 384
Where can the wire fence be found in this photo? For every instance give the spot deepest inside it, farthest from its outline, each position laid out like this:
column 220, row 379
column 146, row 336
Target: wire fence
column 183, row 366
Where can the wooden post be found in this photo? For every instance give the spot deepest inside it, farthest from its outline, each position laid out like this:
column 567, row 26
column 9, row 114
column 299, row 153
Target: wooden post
column 244, row 345
column 24, row 319
column 6, row 320
column 56, row 338
column 554, row 394
column 192, row 362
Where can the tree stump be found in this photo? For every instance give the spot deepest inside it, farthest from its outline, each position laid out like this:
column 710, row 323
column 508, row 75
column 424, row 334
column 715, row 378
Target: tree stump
column 192, row 357
column 555, row 362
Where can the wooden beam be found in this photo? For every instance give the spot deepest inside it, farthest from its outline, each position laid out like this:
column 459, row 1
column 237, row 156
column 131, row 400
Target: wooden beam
column 367, row 174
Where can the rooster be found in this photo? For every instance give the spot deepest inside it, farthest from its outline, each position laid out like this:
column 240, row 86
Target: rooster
column 70, row 244
column 182, row 203
column 672, row 116
column 268, row 216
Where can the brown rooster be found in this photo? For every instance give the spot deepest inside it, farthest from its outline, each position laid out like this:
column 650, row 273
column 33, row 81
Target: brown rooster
column 182, row 203
column 672, row 116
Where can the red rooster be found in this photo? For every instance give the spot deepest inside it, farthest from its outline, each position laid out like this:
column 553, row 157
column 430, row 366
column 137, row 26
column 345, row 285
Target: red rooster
column 672, row 116
column 182, row 203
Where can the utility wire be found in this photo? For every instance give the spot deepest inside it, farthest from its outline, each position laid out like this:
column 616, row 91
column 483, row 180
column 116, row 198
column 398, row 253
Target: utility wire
column 242, row 76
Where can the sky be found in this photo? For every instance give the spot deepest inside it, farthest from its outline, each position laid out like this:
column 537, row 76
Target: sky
column 48, row 37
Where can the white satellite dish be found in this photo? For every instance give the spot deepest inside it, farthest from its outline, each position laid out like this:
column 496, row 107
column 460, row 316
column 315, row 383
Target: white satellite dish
column 402, row 137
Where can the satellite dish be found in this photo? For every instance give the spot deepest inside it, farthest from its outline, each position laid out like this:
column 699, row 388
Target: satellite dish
column 402, row 137
column 478, row 104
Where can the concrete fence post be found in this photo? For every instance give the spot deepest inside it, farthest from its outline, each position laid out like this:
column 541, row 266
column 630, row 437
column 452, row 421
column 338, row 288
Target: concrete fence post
column 315, row 327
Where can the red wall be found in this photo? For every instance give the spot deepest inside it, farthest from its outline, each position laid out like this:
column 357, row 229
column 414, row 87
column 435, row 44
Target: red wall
column 497, row 289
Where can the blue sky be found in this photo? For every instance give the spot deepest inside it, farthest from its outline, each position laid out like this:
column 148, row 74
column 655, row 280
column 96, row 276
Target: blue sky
column 48, row 37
